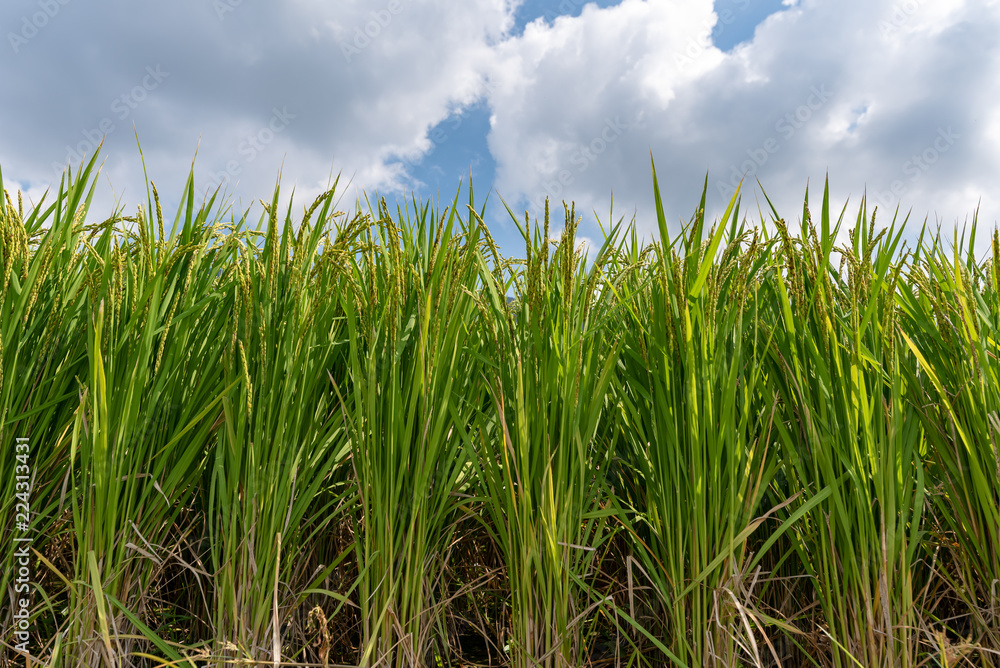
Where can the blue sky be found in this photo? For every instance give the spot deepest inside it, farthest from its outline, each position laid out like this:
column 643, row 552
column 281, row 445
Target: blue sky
column 535, row 98
column 459, row 147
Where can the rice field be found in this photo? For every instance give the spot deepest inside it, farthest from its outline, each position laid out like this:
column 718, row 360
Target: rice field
column 371, row 439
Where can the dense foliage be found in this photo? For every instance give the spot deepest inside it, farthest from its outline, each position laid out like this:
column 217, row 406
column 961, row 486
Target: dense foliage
column 373, row 439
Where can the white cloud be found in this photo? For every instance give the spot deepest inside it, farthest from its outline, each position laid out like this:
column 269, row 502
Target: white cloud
column 882, row 95
column 357, row 81
column 570, row 100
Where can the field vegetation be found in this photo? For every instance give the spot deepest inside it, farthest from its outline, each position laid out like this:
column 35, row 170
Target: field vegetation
column 371, row 439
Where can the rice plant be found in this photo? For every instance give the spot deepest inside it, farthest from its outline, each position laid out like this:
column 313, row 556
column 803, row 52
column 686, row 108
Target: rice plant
column 412, row 389
column 323, row 440
column 698, row 462
column 275, row 480
column 952, row 326
column 540, row 463
column 850, row 442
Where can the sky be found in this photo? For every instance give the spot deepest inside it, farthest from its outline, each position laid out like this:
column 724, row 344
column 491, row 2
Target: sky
column 531, row 98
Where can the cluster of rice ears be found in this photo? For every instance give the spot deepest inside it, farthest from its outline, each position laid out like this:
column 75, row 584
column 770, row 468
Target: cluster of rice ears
column 375, row 440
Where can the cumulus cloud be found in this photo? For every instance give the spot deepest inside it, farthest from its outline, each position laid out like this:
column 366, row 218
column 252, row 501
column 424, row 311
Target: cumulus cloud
column 310, row 85
column 899, row 98
column 896, row 96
